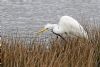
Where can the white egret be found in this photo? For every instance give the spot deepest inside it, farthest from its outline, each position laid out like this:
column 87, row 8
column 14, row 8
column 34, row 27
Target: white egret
column 67, row 25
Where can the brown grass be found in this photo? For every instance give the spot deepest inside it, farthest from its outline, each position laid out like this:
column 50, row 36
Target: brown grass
column 75, row 52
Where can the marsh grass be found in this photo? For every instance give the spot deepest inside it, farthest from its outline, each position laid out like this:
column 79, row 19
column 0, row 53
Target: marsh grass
column 75, row 52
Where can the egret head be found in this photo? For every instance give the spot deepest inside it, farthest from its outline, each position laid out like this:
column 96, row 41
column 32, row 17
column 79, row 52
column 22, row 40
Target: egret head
column 46, row 28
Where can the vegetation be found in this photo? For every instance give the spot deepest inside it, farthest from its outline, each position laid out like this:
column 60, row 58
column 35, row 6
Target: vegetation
column 75, row 52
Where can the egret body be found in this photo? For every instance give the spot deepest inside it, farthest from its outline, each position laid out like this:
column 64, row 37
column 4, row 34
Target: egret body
column 67, row 25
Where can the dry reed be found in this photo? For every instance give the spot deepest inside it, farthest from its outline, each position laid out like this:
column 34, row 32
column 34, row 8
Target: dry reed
column 75, row 52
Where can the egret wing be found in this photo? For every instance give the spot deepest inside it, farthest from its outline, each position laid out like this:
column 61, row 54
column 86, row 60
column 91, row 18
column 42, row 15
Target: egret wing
column 71, row 26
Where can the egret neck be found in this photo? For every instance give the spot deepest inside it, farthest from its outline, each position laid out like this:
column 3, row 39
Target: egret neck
column 57, row 29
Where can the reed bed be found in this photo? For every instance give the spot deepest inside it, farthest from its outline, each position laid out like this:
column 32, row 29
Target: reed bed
column 75, row 52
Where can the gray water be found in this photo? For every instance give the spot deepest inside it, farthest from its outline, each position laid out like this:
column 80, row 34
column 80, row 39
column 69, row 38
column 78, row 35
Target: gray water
column 28, row 16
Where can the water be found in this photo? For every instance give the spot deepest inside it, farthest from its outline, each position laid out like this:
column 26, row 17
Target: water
column 28, row 16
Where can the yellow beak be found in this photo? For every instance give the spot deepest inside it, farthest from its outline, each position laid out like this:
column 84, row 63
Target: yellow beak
column 42, row 30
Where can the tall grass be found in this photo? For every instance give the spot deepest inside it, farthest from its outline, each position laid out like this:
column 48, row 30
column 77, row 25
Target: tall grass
column 75, row 52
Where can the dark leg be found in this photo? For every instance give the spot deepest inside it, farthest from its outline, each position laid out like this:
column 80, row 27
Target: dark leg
column 60, row 36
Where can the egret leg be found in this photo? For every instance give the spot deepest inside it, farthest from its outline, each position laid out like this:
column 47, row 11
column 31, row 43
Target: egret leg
column 56, row 36
column 59, row 36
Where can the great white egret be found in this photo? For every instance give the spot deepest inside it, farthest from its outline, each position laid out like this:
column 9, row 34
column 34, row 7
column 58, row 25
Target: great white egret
column 67, row 25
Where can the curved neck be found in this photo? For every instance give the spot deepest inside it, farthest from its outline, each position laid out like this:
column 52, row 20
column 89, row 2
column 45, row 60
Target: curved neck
column 57, row 29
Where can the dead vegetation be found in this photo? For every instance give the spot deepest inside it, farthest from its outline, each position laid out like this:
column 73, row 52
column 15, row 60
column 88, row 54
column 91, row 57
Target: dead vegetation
column 75, row 52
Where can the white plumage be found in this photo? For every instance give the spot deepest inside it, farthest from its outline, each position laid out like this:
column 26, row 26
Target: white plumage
column 67, row 25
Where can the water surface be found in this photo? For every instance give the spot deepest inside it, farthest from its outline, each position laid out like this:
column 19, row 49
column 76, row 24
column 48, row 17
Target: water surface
column 27, row 16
